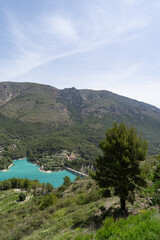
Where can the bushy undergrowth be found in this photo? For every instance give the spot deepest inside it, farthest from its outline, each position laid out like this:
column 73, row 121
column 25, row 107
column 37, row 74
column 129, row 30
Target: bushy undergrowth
column 74, row 211
column 144, row 226
column 68, row 207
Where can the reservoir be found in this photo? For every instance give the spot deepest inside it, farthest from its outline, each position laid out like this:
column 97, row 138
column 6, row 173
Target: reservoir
column 24, row 169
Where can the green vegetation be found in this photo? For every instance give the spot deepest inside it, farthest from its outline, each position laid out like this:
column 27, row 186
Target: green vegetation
column 25, row 139
column 46, row 214
column 42, row 122
column 22, row 196
column 78, row 210
column 26, row 184
column 144, row 226
column 67, row 181
column 58, row 128
column 119, row 166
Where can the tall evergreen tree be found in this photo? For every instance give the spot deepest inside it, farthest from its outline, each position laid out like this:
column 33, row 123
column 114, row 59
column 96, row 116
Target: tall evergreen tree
column 119, row 165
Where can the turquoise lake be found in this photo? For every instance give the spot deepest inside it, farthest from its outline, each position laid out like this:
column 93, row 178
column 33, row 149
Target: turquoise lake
column 25, row 169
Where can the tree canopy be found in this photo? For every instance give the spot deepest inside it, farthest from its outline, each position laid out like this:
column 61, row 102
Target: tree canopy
column 118, row 167
column 67, row 181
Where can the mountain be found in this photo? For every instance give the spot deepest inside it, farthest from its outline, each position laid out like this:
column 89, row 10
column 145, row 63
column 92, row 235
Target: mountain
column 70, row 119
column 26, row 101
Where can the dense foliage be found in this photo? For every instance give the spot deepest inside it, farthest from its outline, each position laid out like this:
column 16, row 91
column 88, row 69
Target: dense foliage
column 144, row 226
column 43, row 143
column 25, row 184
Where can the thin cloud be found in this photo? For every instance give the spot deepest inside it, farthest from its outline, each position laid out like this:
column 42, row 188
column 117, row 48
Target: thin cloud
column 114, row 76
column 135, row 24
column 54, row 37
column 61, row 27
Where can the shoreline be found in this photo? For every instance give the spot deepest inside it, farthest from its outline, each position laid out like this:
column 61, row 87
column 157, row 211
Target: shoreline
column 48, row 171
column 5, row 170
column 19, row 159
column 41, row 170
column 45, row 171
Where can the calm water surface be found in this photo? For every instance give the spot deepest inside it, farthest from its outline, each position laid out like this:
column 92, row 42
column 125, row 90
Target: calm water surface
column 25, row 169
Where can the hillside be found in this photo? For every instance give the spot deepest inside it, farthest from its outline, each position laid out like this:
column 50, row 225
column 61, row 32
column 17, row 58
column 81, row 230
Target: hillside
column 79, row 210
column 41, row 121
column 28, row 101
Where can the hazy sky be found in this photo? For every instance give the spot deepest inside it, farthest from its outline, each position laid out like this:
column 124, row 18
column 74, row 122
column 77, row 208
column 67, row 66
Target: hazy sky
column 96, row 44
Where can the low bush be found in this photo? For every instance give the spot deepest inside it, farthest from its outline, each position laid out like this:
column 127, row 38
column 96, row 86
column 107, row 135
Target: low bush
column 85, row 198
column 145, row 225
column 22, row 196
column 47, row 201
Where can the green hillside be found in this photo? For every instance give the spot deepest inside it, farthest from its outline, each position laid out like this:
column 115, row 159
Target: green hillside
column 41, row 122
column 78, row 210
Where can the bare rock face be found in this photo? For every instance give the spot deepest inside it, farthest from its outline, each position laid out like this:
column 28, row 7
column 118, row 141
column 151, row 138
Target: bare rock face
column 5, row 93
column 10, row 90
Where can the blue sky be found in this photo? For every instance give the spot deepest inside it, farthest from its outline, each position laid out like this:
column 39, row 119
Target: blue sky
column 95, row 44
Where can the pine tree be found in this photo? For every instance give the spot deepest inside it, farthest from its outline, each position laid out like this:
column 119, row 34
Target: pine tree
column 119, row 165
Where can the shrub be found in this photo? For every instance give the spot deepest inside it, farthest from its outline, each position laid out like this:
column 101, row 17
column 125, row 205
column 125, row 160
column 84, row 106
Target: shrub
column 22, row 196
column 143, row 226
column 85, row 198
column 48, row 200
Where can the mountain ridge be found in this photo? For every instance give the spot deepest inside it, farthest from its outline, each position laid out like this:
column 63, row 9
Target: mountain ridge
column 79, row 117
column 74, row 88
column 103, row 100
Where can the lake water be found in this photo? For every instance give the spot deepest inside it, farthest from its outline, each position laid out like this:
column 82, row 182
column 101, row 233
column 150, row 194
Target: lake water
column 25, row 169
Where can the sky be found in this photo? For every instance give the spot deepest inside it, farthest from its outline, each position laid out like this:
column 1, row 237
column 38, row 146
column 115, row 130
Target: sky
column 112, row 45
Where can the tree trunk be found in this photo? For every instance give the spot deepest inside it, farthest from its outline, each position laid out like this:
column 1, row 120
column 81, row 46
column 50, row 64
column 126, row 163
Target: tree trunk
column 123, row 204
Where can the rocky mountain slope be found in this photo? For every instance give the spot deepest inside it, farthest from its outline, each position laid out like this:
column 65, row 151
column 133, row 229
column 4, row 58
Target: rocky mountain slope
column 83, row 111
column 27, row 100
